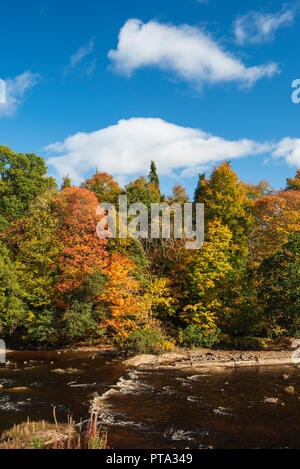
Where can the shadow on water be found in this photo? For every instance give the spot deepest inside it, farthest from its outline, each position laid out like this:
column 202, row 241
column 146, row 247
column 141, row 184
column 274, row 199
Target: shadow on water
column 41, row 387
column 156, row 409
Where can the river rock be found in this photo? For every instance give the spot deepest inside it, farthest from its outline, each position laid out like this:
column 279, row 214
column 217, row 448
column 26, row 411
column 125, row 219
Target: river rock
column 244, row 357
column 271, row 400
column 290, row 390
column 71, row 371
column 18, row 389
column 58, row 371
column 144, row 359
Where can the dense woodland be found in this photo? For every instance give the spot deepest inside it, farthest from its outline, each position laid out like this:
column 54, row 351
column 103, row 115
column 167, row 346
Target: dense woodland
column 62, row 285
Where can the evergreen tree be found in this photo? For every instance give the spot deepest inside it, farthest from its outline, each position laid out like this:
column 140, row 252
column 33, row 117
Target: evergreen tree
column 200, row 188
column 153, row 177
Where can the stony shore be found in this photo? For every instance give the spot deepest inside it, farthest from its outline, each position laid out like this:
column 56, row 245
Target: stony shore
column 213, row 360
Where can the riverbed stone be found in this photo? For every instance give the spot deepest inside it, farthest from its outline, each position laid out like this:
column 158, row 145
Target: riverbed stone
column 58, row 371
column 290, row 390
column 271, row 400
column 18, row 389
column 144, row 359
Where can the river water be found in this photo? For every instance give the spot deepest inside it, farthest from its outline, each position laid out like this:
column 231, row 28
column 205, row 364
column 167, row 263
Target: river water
column 157, row 409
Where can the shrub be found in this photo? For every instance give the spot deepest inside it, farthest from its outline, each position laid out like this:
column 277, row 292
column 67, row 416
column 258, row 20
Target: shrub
column 195, row 336
column 244, row 343
column 43, row 328
column 80, row 322
column 147, row 341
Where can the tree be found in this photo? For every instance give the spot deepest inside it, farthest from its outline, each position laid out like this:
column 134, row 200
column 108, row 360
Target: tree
column 106, row 189
column 279, row 287
column 255, row 191
column 225, row 199
column 83, row 253
column 200, row 188
column 206, row 270
column 12, row 307
column 66, row 182
column 143, row 192
column 178, row 195
column 153, row 177
column 293, row 184
column 22, row 178
column 37, row 248
column 120, row 306
column 81, row 322
column 276, row 216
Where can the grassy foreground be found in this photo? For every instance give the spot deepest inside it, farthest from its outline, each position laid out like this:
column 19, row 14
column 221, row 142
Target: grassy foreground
column 45, row 435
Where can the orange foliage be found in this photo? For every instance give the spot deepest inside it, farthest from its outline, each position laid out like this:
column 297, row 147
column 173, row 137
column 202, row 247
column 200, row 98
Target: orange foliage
column 83, row 252
column 277, row 216
column 121, row 297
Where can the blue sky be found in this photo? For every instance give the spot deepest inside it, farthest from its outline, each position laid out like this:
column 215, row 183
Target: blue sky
column 188, row 83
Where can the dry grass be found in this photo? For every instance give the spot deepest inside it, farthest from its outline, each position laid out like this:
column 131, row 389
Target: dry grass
column 45, row 435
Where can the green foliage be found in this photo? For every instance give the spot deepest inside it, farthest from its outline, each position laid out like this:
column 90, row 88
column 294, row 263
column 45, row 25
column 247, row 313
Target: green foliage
column 66, row 182
column 35, row 443
column 12, row 307
column 59, row 283
column 43, row 329
column 146, row 341
column 244, row 343
column 37, row 249
column 199, row 191
column 22, row 178
column 195, row 336
column 143, row 191
column 153, row 177
column 279, row 287
column 80, row 322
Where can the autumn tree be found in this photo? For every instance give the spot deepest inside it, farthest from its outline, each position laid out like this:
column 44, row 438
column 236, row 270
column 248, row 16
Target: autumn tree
column 276, row 216
column 293, row 184
column 279, row 288
column 66, row 182
column 106, row 189
column 226, row 200
column 120, row 304
column 178, row 195
column 83, row 254
column 37, row 248
column 206, row 270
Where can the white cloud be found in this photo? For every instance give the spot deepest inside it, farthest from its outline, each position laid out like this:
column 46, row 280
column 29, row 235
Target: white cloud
column 79, row 55
column 15, row 92
column 289, row 149
column 125, row 149
column 256, row 27
column 189, row 52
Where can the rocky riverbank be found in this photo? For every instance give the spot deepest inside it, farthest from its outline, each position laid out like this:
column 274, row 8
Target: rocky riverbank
column 214, row 360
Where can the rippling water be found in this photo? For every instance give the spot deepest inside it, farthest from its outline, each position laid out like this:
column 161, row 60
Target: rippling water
column 156, row 409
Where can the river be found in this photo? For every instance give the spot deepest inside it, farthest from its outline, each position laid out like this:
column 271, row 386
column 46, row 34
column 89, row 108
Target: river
column 155, row 409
